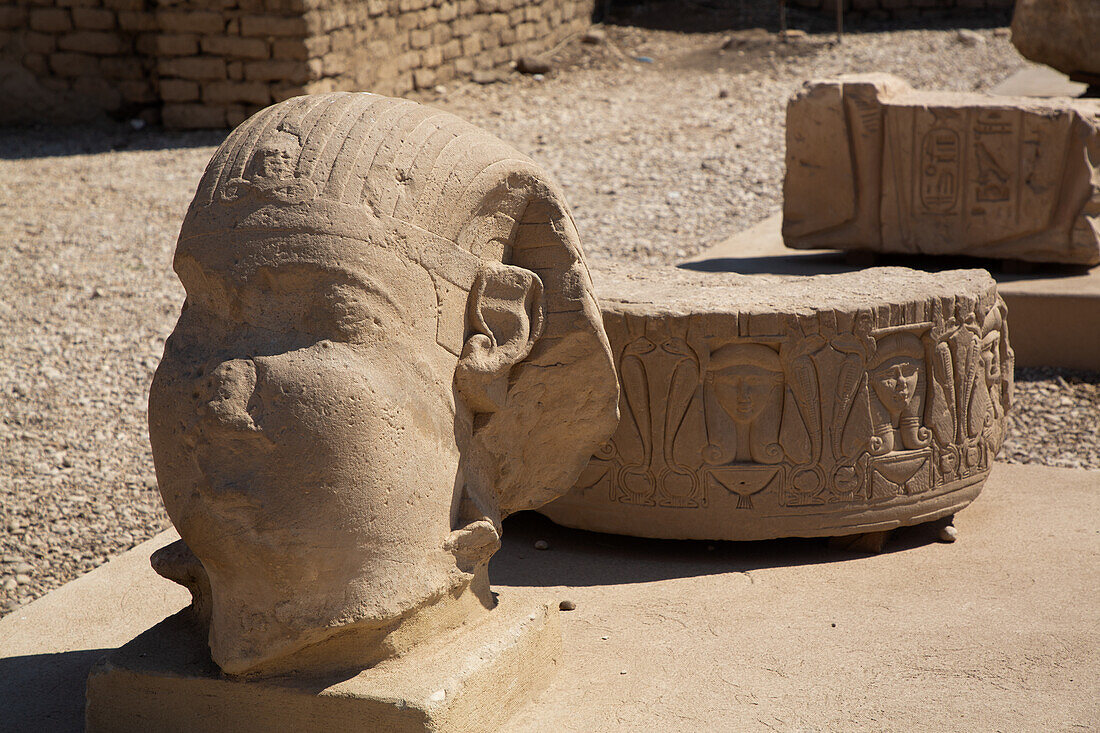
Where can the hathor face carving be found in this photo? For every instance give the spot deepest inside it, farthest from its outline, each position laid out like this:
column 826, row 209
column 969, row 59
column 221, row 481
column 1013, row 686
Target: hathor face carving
column 745, row 379
column 895, row 383
column 312, row 423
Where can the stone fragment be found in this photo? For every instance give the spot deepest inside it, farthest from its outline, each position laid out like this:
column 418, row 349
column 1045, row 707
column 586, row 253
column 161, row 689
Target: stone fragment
column 475, row 679
column 1064, row 34
column 873, row 164
column 534, row 65
column 390, row 342
column 770, row 406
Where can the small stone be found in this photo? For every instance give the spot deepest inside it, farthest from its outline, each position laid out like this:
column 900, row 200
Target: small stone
column 542, row 545
column 948, row 533
column 9, row 583
column 483, row 76
column 967, row 37
column 623, row 672
column 1002, row 32
column 567, row 606
column 22, row 567
column 594, row 36
column 533, row 65
column 723, row 93
column 22, row 579
column 439, row 89
column 603, row 638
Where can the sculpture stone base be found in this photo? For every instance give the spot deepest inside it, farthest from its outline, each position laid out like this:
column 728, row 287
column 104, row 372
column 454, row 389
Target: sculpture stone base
column 762, row 407
column 473, row 679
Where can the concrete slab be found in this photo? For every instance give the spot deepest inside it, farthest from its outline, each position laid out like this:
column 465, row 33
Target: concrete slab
column 995, row 632
column 1053, row 310
column 1037, row 80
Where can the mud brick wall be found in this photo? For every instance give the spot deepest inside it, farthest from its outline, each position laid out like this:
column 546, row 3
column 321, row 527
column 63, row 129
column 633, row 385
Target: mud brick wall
column 211, row 63
column 60, row 58
column 884, row 8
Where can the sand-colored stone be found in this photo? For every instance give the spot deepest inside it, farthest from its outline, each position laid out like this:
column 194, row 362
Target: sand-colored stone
column 762, row 407
column 992, row 632
column 473, row 679
column 874, row 165
column 390, row 342
column 1064, row 34
column 1055, row 309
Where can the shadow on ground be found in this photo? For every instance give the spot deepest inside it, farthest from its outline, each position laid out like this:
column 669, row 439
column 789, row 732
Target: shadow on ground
column 35, row 691
column 21, row 142
column 712, row 16
column 579, row 558
column 829, row 263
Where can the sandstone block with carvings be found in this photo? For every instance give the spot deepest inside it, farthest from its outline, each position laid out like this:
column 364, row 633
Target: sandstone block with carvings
column 762, row 407
column 390, row 341
column 874, row 165
column 1064, row 34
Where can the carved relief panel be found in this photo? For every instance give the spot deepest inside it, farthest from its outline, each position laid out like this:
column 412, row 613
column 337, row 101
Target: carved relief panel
column 779, row 415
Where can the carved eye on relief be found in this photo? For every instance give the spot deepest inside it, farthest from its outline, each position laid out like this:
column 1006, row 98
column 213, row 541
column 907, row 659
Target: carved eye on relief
column 639, row 347
column 676, row 346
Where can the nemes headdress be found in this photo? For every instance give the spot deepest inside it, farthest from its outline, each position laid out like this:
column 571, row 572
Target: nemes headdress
column 427, row 185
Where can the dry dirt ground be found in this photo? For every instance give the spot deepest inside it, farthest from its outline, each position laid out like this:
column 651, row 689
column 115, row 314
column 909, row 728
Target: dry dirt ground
column 665, row 141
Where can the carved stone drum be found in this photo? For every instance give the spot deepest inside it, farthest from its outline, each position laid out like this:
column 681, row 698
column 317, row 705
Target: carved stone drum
column 762, row 407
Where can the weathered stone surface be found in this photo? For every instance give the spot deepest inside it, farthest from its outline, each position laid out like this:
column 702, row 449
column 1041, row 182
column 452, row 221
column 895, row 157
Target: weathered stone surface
column 761, row 407
column 873, row 164
column 1064, row 34
column 475, row 679
column 390, row 342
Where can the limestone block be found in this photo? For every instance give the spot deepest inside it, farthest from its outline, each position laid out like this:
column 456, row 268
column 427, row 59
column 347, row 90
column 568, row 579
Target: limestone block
column 1064, row 34
column 873, row 164
column 773, row 406
column 475, row 679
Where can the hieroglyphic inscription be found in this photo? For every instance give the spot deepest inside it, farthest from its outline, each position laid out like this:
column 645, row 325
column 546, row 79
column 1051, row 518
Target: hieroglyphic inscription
column 835, row 408
column 949, row 173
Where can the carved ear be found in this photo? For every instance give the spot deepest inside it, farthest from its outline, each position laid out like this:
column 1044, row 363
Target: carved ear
column 473, row 545
column 505, row 313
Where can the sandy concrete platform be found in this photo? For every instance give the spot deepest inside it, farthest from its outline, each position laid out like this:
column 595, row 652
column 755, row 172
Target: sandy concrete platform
column 995, row 632
column 1037, row 80
column 1053, row 310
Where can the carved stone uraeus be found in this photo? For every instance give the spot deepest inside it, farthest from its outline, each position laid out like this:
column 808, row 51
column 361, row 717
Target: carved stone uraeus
column 874, row 165
column 389, row 343
column 760, row 407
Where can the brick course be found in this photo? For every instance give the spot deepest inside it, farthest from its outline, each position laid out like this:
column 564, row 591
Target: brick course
column 211, row 63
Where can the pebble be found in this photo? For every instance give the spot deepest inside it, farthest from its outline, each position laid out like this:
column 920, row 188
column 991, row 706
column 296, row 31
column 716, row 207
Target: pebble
column 948, row 533
column 567, row 606
column 542, row 545
column 533, row 65
column 594, row 36
column 968, row 37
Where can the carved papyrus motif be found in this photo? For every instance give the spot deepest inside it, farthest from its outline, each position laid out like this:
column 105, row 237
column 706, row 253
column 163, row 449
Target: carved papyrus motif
column 834, row 408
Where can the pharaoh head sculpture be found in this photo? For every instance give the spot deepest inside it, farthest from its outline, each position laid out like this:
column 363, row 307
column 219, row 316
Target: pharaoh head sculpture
column 389, row 343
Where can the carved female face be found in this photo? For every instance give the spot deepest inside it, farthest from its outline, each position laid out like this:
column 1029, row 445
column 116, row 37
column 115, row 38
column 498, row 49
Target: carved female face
column 745, row 390
column 895, row 382
column 303, row 429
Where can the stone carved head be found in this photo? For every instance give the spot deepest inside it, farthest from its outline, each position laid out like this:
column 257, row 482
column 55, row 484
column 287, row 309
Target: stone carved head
column 389, row 343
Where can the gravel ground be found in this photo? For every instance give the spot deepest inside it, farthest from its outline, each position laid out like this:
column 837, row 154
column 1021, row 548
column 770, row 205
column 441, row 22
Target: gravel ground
column 660, row 160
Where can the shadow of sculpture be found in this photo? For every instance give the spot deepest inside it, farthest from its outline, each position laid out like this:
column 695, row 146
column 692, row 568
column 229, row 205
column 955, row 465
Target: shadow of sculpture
column 579, row 558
